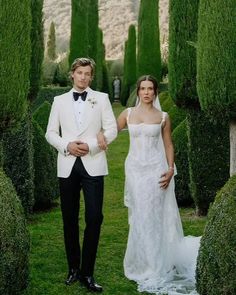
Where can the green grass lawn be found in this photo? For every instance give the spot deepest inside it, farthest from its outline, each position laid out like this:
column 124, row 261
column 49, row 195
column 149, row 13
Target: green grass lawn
column 48, row 268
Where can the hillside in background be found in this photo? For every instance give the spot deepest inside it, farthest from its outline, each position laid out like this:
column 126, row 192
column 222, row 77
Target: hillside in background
column 114, row 19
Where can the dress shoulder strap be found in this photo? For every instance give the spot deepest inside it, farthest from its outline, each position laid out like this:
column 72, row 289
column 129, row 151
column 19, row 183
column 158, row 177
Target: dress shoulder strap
column 164, row 116
column 128, row 114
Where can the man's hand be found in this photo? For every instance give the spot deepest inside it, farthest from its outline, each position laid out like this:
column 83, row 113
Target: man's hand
column 78, row 148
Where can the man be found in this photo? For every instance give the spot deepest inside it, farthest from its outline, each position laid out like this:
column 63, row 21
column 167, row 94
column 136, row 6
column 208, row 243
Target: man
column 75, row 120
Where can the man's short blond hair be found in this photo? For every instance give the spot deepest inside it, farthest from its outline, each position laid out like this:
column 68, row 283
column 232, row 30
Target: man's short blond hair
column 83, row 62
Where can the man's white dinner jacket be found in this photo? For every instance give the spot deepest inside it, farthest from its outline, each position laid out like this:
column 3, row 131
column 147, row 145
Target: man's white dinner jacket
column 63, row 128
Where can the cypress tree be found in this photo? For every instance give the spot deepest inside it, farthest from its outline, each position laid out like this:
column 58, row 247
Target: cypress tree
column 37, row 48
column 79, row 30
column 93, row 34
column 51, row 44
column 92, row 29
column 216, row 60
column 204, row 179
column 182, row 55
column 130, row 74
column 100, row 61
column 15, row 54
column 149, row 56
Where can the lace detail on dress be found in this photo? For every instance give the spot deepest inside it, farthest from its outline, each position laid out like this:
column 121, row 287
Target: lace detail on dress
column 158, row 257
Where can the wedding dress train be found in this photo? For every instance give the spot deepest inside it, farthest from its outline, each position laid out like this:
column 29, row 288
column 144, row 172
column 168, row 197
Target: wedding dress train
column 158, row 256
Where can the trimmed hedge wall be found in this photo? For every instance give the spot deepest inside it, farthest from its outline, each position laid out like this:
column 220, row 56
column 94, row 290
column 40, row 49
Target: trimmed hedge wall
column 45, row 182
column 182, row 179
column 41, row 115
column 18, row 161
column 177, row 115
column 208, row 155
column 216, row 271
column 48, row 93
column 14, row 240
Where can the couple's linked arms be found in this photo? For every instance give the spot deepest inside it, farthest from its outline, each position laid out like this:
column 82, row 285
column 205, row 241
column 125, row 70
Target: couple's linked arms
column 121, row 124
column 167, row 140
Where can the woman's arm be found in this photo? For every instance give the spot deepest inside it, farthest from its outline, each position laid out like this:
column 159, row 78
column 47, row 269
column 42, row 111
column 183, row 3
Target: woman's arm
column 169, row 150
column 121, row 123
column 122, row 120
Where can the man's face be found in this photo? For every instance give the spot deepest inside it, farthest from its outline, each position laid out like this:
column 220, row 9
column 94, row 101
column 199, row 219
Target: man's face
column 82, row 77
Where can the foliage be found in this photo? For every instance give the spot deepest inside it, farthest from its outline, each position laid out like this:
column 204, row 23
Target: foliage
column 130, row 72
column 176, row 115
column 106, row 87
column 14, row 60
column 37, row 48
column 182, row 180
column 45, row 180
column 79, row 30
column 48, row 93
column 18, row 161
column 216, row 272
column 51, row 43
column 182, row 57
column 100, row 61
column 41, row 115
column 49, row 68
column 149, row 55
column 115, row 68
column 216, row 59
column 14, row 237
column 93, row 35
column 208, row 155
column 168, row 103
column 61, row 76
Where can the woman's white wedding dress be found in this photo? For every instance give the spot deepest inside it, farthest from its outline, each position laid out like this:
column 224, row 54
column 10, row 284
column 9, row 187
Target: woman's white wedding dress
column 158, row 256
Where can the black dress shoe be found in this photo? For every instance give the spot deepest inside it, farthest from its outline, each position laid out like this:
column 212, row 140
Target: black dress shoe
column 90, row 284
column 73, row 276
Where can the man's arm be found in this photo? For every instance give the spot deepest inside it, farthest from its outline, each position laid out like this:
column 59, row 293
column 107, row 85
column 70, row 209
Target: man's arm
column 53, row 131
column 109, row 127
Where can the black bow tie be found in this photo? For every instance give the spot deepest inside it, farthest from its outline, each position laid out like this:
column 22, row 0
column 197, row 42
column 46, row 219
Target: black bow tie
column 83, row 95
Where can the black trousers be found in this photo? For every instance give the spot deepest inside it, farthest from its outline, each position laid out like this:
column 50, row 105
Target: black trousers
column 92, row 187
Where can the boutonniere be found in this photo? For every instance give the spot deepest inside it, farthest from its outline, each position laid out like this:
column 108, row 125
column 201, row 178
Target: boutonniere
column 92, row 101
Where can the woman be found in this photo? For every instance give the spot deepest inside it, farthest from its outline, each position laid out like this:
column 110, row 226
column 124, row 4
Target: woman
column 158, row 257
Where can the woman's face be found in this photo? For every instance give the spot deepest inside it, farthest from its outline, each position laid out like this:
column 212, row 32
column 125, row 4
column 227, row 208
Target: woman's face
column 146, row 91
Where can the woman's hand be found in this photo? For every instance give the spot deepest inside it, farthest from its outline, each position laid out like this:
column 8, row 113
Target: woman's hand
column 166, row 178
column 101, row 141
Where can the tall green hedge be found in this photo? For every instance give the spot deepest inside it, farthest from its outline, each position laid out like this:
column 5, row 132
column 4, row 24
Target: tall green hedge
column 79, row 30
column 182, row 179
column 93, row 35
column 14, row 237
column 18, row 161
column 216, row 271
column 216, row 58
column 37, row 48
column 46, row 189
column 149, row 56
column 130, row 71
column 51, row 43
column 41, row 115
column 208, row 153
column 48, row 93
column 15, row 48
column 182, row 56
column 100, row 61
